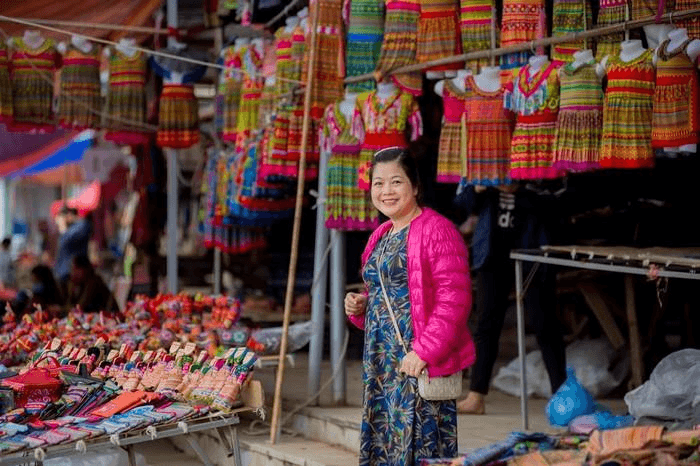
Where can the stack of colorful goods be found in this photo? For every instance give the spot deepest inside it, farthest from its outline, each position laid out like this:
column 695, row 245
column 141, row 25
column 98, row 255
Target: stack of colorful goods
column 147, row 324
column 68, row 394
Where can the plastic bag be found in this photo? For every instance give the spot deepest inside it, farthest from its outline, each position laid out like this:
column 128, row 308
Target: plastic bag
column 672, row 392
column 570, row 401
column 591, row 359
column 268, row 340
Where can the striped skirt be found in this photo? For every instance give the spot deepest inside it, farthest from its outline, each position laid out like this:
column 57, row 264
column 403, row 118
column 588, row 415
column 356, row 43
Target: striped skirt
column 400, row 43
column 364, row 41
column 476, row 17
column 231, row 91
column 611, row 12
column 178, row 117
column 675, row 121
column 80, row 97
column 32, row 98
column 532, row 147
column 127, row 104
column 450, row 164
column 570, row 16
column 627, row 131
column 438, row 33
column 691, row 24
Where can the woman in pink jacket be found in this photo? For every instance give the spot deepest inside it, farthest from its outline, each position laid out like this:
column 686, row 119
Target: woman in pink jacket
column 424, row 267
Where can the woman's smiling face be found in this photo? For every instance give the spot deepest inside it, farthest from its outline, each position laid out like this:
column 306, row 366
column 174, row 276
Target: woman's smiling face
column 392, row 192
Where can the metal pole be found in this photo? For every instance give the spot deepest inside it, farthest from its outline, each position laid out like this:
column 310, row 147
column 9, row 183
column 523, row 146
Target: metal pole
column 338, row 315
column 519, row 297
column 318, row 290
column 171, row 155
column 218, row 44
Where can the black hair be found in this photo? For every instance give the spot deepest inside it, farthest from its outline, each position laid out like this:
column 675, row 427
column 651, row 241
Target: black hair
column 82, row 262
column 6, row 242
column 69, row 210
column 406, row 161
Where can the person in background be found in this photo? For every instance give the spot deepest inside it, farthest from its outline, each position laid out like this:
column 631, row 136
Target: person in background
column 7, row 266
column 422, row 260
column 45, row 293
column 86, row 289
column 75, row 234
column 510, row 217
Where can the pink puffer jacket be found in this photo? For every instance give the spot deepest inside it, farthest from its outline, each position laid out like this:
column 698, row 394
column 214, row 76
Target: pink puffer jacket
column 439, row 291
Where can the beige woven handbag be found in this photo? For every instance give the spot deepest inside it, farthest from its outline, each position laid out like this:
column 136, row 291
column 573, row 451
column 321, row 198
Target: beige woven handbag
column 437, row 388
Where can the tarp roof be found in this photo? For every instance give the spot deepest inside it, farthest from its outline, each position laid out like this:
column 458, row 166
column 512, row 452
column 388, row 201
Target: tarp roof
column 123, row 12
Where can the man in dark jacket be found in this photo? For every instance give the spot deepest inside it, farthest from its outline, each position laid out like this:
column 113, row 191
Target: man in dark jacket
column 75, row 235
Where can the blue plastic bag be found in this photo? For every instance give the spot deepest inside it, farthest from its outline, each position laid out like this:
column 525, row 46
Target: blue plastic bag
column 570, row 401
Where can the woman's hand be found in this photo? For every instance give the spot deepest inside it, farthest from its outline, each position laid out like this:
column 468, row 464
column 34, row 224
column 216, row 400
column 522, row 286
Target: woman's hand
column 355, row 304
column 412, row 365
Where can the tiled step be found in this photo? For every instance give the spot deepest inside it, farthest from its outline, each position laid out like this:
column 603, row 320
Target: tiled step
column 335, row 426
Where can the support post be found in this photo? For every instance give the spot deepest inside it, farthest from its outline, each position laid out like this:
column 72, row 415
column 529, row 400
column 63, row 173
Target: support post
column 276, row 426
column 519, row 298
column 338, row 321
column 319, row 286
column 171, row 155
column 635, row 342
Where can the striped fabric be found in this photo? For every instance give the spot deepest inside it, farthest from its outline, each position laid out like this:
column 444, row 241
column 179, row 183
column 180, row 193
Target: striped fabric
column 347, row 207
column 230, row 90
column 379, row 124
column 580, row 119
column 127, row 98
column 450, row 164
column 364, row 40
column 675, row 121
column 178, row 117
column 691, row 24
column 80, row 89
column 329, row 66
column 250, row 96
column 645, row 8
column 486, row 131
column 400, row 43
column 438, row 32
column 32, row 73
column 523, row 21
column 535, row 100
column 475, row 21
column 627, row 113
column 570, row 16
column 611, row 12
column 5, row 87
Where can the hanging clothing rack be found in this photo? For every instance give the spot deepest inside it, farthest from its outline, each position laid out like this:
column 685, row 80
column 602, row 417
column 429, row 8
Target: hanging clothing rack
column 532, row 45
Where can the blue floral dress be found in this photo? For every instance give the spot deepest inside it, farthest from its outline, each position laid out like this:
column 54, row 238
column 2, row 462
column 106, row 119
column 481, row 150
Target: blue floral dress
column 398, row 426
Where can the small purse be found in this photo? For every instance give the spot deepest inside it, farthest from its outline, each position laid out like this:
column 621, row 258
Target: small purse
column 437, row 388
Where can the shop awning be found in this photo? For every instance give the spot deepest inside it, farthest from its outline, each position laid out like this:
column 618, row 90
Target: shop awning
column 59, row 152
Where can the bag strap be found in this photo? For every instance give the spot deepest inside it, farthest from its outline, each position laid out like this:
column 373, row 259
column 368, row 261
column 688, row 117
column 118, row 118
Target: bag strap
column 388, row 305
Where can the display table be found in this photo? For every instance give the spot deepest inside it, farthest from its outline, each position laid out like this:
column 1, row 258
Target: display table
column 654, row 263
column 253, row 403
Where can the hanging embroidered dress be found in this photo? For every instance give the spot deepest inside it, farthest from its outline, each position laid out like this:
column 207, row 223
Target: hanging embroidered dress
column 438, row 33
column 522, row 21
column 348, row 208
column 251, row 94
column 5, row 87
column 178, row 109
column 610, row 12
column 32, row 74
column 296, row 119
column 230, row 89
column 450, row 164
column 380, row 124
column 580, row 120
column 486, row 134
column 398, row 426
column 80, row 89
column 691, row 24
column 364, row 40
column 476, row 17
column 675, row 121
column 127, row 98
column 400, row 44
column 628, row 112
column 329, row 62
column 569, row 16
column 535, row 100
